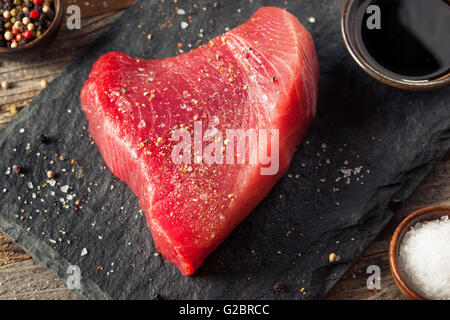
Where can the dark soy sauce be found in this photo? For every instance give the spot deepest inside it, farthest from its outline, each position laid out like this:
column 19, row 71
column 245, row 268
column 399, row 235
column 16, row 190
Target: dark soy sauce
column 413, row 42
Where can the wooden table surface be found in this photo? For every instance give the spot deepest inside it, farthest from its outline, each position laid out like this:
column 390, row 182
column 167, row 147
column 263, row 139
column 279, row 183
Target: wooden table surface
column 21, row 277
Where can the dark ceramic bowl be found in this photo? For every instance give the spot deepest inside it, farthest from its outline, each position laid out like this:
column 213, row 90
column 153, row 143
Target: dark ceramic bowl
column 425, row 214
column 352, row 10
column 37, row 46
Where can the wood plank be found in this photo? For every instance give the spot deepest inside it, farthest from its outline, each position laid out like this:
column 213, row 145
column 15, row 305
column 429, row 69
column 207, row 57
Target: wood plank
column 10, row 252
column 29, row 280
column 95, row 8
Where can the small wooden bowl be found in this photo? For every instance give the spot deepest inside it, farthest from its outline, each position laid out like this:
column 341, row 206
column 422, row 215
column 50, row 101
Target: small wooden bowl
column 37, row 46
column 425, row 214
column 350, row 13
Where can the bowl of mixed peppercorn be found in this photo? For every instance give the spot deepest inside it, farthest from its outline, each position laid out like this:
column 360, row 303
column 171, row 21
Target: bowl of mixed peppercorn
column 28, row 26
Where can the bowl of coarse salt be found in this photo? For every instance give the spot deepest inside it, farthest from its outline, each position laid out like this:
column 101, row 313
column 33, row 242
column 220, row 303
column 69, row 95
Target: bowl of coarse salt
column 419, row 254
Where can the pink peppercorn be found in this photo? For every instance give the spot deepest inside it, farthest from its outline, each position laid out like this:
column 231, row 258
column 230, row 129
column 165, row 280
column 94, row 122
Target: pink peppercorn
column 28, row 34
column 34, row 14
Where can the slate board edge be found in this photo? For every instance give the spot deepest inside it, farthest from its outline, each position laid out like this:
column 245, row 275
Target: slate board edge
column 25, row 240
column 58, row 265
column 90, row 290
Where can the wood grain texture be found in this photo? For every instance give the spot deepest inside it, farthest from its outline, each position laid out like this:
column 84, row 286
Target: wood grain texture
column 29, row 280
column 10, row 252
column 98, row 7
column 23, row 278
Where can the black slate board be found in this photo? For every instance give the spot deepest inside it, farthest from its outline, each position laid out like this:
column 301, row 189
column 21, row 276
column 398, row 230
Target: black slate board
column 390, row 138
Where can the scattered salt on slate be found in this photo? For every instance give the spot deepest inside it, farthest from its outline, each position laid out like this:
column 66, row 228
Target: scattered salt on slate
column 425, row 258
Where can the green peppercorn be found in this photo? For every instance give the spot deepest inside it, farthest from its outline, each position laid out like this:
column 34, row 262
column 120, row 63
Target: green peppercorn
column 13, row 109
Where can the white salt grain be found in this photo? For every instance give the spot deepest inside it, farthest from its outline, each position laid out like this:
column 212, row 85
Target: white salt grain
column 184, row 24
column 424, row 258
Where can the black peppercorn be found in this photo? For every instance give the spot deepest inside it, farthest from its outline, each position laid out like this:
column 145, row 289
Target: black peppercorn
column 51, row 15
column 43, row 17
column 43, row 138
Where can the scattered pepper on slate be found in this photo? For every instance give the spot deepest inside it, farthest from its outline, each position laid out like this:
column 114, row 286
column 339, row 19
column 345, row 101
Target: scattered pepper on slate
column 17, row 169
column 43, row 138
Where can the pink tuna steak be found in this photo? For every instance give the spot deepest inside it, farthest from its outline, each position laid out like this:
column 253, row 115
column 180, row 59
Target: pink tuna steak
column 261, row 75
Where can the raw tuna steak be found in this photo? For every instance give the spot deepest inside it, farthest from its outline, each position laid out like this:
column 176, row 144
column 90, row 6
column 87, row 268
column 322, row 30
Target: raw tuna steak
column 261, row 75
